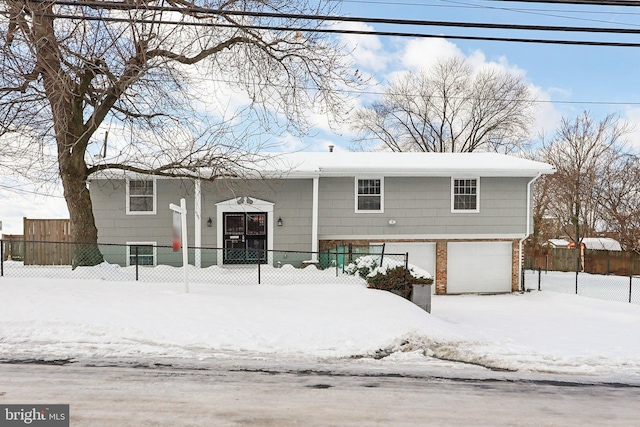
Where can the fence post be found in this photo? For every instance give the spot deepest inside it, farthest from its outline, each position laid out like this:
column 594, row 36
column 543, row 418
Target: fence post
column 382, row 255
column 406, row 275
column 630, row 280
column 337, row 261
column 259, row 262
column 1, row 258
column 137, row 263
column 539, row 277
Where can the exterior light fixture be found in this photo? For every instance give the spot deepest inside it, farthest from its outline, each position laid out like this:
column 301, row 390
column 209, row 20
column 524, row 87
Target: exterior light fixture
column 392, row 222
column 279, row 222
column 209, row 222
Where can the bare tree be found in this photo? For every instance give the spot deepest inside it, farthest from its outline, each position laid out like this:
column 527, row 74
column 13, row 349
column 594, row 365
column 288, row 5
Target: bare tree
column 69, row 68
column 583, row 152
column 620, row 200
column 448, row 108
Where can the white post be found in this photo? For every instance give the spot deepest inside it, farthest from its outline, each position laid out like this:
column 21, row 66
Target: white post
column 198, row 223
column 182, row 210
column 314, row 220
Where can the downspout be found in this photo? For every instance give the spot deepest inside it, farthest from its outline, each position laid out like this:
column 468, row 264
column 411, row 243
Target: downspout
column 526, row 233
column 198, row 223
column 314, row 220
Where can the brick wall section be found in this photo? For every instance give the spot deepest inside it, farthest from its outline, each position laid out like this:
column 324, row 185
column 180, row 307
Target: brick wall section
column 441, row 257
column 441, row 267
column 515, row 266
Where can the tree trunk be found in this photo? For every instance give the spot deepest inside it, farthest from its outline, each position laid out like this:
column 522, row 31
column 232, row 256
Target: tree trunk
column 84, row 233
column 66, row 97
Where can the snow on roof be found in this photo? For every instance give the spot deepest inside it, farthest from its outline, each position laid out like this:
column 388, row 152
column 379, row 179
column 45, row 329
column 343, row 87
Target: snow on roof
column 601, row 243
column 412, row 164
column 559, row 243
column 344, row 163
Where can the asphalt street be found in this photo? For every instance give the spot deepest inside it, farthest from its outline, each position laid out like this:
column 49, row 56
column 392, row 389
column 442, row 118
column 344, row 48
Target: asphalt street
column 273, row 393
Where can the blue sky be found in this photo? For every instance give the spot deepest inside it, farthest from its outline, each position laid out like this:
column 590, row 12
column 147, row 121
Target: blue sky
column 568, row 79
column 601, row 80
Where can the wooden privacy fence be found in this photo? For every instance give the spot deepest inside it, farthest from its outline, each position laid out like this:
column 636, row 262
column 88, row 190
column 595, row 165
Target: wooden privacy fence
column 12, row 247
column 38, row 235
column 620, row 263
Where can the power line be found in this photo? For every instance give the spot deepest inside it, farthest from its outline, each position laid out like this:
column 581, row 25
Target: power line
column 631, row 3
column 330, row 18
column 344, row 31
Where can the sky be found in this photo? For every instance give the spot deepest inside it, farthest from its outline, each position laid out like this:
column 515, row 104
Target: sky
column 546, row 332
column 567, row 80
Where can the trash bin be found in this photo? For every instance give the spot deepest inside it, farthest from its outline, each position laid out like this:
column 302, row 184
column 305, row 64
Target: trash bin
column 421, row 296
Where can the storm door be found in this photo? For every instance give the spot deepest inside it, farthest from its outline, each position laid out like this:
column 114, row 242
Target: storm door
column 245, row 237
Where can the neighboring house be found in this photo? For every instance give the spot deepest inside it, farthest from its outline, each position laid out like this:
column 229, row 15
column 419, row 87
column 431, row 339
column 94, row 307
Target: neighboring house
column 557, row 243
column 460, row 216
column 598, row 243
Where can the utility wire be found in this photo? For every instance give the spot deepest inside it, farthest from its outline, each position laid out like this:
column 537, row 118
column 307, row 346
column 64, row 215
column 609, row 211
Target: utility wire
column 631, row 3
column 452, row 4
column 344, row 31
column 330, row 18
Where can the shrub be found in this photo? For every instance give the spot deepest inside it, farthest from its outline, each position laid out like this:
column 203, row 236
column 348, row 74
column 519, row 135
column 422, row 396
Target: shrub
column 392, row 276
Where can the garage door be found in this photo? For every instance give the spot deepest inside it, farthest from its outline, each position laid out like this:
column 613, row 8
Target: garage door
column 478, row 267
column 421, row 255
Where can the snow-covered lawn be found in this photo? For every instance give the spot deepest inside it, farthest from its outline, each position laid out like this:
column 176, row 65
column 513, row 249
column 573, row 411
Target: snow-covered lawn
column 533, row 332
column 612, row 288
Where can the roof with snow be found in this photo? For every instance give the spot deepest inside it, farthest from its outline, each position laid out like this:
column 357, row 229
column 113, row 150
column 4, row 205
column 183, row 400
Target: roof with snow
column 411, row 164
column 344, row 163
column 601, row 243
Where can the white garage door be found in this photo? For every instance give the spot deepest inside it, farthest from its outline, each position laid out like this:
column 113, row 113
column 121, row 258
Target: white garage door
column 421, row 255
column 478, row 267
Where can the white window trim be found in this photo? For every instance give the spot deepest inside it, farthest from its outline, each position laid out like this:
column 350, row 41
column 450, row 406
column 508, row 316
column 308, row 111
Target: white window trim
column 155, row 198
column 477, row 209
column 381, row 178
column 155, row 252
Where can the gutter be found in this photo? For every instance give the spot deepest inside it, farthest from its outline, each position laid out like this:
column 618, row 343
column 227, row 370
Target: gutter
column 526, row 233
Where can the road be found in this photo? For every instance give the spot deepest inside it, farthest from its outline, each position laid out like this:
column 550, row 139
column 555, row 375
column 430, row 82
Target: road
column 272, row 394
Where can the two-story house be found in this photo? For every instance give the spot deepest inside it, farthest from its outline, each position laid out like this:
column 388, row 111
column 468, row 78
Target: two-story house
column 460, row 216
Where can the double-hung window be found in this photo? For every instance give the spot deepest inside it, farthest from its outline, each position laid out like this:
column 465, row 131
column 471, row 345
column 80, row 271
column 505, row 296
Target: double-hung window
column 141, row 253
column 369, row 195
column 464, row 195
column 141, row 197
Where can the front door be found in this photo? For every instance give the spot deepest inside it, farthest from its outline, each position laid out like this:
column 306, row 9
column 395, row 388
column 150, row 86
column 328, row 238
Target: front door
column 245, row 237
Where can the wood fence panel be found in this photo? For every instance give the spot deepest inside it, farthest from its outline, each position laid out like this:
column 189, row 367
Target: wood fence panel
column 13, row 247
column 611, row 262
column 46, row 241
column 565, row 259
column 619, row 263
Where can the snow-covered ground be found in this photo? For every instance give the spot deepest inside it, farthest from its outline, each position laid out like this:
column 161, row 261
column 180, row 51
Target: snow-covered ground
column 540, row 332
column 612, row 288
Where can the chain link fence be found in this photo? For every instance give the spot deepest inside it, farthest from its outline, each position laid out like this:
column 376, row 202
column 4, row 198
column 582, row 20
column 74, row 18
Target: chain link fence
column 605, row 287
column 157, row 263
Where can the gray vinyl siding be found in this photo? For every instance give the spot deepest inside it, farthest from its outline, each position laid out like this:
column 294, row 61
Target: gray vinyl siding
column 420, row 206
column 292, row 202
column 423, row 206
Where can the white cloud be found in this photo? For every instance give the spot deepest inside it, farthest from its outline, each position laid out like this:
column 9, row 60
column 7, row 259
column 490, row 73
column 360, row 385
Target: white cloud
column 367, row 51
column 417, row 54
